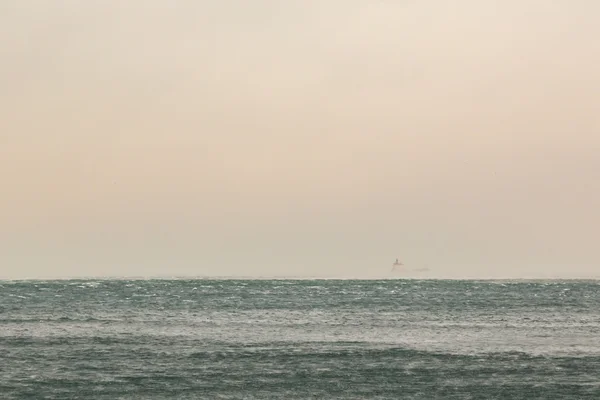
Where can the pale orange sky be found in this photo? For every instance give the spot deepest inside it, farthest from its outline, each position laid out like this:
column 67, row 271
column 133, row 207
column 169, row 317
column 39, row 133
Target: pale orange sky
column 299, row 137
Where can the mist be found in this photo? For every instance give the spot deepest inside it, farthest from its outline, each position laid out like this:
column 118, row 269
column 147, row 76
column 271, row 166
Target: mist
column 204, row 138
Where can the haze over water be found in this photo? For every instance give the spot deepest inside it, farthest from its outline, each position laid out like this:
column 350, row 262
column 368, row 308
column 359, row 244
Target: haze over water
column 310, row 138
column 292, row 140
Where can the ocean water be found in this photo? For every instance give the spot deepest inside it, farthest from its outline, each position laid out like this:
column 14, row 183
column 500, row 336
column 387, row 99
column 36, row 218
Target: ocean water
column 299, row 339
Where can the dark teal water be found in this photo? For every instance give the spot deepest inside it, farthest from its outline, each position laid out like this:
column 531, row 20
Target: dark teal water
column 283, row 339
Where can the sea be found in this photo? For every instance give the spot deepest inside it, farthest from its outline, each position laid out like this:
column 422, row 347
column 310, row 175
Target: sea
column 299, row 339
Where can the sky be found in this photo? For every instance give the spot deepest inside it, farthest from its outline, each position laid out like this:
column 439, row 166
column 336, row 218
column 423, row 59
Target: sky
column 299, row 138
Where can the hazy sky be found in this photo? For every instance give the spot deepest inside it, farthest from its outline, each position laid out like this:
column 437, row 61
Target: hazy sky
column 195, row 137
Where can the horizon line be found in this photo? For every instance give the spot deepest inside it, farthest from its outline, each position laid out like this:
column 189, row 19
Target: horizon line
column 299, row 277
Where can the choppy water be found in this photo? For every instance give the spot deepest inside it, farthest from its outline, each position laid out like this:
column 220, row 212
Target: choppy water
column 281, row 339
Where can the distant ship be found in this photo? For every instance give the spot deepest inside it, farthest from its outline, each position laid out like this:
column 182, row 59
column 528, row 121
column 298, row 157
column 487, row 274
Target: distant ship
column 407, row 270
column 396, row 265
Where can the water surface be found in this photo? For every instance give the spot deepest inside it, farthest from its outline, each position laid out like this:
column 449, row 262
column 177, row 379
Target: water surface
column 298, row 339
